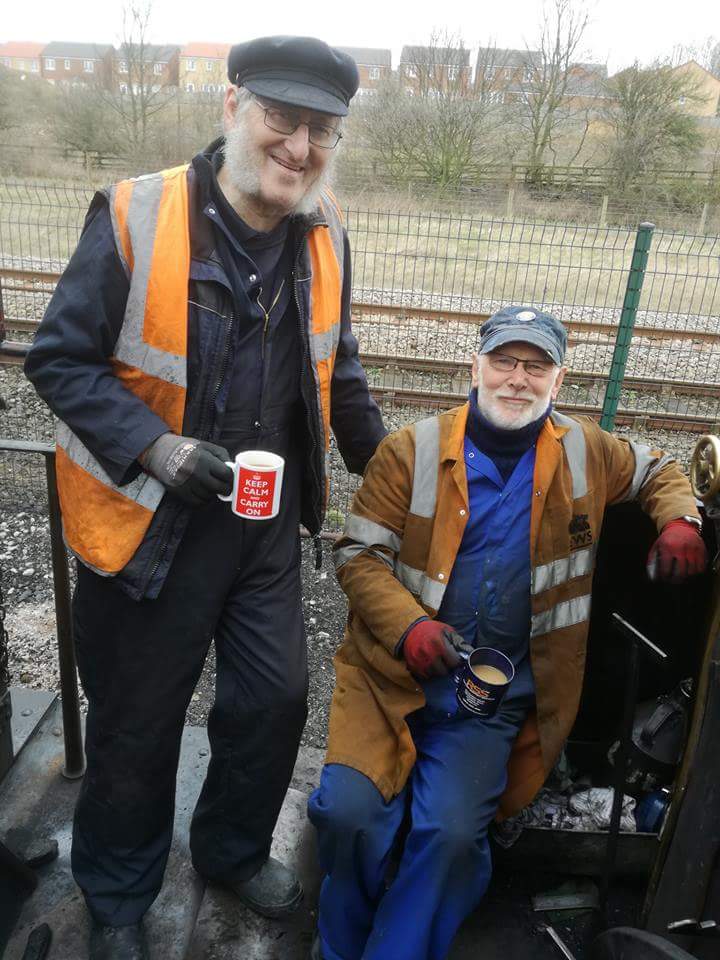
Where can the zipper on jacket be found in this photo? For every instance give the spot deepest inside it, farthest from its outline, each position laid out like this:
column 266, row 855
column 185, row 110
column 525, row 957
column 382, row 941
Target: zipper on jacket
column 202, row 431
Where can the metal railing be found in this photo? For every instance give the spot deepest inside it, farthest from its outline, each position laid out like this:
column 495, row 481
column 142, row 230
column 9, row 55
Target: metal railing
column 72, row 731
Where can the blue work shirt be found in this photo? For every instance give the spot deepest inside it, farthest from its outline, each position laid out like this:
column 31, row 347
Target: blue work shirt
column 487, row 598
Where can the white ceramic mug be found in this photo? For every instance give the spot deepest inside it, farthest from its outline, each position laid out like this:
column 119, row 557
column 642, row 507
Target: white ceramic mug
column 257, row 484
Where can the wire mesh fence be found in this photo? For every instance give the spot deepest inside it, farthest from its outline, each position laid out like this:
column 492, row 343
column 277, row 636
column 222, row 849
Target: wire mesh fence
column 422, row 284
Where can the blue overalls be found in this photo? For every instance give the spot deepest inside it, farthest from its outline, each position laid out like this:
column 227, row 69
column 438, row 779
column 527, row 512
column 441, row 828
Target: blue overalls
column 460, row 772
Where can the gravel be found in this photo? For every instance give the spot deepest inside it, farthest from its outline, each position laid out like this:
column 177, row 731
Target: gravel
column 24, row 540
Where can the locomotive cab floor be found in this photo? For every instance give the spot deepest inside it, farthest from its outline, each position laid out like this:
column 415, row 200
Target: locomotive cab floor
column 194, row 921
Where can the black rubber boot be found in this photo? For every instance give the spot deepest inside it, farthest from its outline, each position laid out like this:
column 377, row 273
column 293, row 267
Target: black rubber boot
column 274, row 891
column 117, row 943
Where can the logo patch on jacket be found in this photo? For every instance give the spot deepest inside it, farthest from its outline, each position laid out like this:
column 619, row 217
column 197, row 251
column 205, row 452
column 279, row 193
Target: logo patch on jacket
column 580, row 531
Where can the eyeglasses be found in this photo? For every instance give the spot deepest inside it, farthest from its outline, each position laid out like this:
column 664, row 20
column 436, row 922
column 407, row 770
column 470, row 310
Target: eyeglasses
column 287, row 122
column 505, row 363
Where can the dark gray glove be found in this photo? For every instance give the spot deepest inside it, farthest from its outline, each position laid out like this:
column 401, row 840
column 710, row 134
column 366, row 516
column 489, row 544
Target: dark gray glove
column 193, row 470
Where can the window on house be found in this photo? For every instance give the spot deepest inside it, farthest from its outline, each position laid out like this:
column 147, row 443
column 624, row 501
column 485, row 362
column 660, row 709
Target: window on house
column 410, row 71
column 67, row 64
column 528, row 74
column 453, row 73
column 35, row 65
column 489, row 73
column 49, row 63
column 122, row 66
column 190, row 87
column 123, row 88
column 191, row 66
column 88, row 66
column 157, row 68
column 208, row 65
column 374, row 73
column 6, row 62
column 496, row 96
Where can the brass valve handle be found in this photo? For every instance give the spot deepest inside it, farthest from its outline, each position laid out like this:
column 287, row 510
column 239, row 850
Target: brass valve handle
column 705, row 468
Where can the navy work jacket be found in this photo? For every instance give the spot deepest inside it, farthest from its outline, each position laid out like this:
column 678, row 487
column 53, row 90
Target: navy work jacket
column 69, row 365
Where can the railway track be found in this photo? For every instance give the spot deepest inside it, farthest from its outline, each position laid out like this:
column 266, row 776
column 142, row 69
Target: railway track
column 14, row 280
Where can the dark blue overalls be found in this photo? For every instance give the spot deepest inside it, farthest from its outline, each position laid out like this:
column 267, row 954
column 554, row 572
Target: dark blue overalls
column 460, row 772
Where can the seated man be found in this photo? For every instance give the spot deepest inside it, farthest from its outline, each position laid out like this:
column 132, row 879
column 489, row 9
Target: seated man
column 464, row 533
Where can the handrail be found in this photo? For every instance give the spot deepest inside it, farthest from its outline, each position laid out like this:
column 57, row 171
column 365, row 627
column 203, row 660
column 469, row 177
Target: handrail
column 72, row 729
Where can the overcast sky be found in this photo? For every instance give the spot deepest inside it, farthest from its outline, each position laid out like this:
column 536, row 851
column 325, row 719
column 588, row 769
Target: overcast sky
column 620, row 30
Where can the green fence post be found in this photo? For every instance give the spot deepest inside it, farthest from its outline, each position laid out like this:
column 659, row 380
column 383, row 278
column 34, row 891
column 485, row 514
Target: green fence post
column 627, row 322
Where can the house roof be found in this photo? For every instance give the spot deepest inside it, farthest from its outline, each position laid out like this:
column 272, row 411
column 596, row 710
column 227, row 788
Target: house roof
column 21, row 48
column 445, row 55
column 154, row 53
column 210, row 51
column 505, row 57
column 699, row 66
column 70, row 50
column 369, row 56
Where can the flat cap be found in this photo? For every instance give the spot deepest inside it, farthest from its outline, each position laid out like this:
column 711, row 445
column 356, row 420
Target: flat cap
column 301, row 71
column 525, row 325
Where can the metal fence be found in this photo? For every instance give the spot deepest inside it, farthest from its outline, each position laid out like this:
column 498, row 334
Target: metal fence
column 422, row 283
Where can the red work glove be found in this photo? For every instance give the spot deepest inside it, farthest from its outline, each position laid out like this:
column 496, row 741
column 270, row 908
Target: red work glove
column 678, row 553
column 431, row 649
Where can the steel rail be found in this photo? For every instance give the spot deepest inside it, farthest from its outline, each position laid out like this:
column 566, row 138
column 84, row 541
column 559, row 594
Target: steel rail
column 651, row 419
column 453, row 367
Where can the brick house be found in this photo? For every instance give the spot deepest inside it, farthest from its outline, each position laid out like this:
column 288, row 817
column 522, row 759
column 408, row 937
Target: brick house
column 22, row 56
column 70, row 62
column 374, row 65
column 202, row 67
column 428, row 70
column 155, row 65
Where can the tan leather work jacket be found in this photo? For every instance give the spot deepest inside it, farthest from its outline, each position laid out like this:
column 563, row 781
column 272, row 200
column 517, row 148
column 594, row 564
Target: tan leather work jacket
column 397, row 553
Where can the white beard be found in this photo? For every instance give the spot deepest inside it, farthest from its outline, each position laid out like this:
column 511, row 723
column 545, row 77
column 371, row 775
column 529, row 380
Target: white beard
column 243, row 162
column 500, row 416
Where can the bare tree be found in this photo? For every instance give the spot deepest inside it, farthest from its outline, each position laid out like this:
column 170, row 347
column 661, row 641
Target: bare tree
column 650, row 130
column 429, row 120
column 707, row 54
column 137, row 94
column 79, row 120
column 545, row 103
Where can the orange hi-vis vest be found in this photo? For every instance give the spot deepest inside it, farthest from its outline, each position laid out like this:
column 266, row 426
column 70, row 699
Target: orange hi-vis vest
column 103, row 523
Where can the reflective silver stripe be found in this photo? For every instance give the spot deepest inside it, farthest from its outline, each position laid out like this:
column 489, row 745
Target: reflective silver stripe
column 575, row 450
column 131, row 347
column 332, row 215
column 343, row 555
column 646, row 466
column 144, row 489
column 564, row 614
column 425, row 475
column 560, row 571
column 325, row 344
column 410, row 577
column 368, row 532
column 429, row 591
column 110, row 194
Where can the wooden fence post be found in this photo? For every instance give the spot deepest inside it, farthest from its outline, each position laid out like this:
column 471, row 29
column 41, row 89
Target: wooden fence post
column 603, row 211
column 703, row 218
column 510, row 203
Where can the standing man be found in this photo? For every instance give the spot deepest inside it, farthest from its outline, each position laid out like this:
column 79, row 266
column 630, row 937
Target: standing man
column 464, row 533
column 205, row 311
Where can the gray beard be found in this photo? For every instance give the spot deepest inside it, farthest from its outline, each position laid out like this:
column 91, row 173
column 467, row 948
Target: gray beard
column 243, row 169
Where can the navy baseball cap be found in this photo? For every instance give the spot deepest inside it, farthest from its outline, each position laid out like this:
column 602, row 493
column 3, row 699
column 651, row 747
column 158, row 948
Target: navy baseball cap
column 525, row 325
column 300, row 71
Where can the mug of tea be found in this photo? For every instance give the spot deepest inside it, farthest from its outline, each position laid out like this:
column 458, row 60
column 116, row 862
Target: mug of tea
column 257, row 484
column 483, row 681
